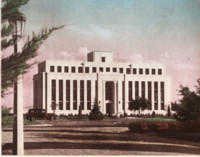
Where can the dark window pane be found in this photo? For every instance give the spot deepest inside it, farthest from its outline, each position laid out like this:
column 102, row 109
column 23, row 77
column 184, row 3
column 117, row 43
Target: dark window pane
column 59, row 69
column 107, row 69
column 134, row 71
column 121, row 70
column 147, row 71
column 94, row 69
column 51, row 68
column 114, row 69
column 159, row 71
column 140, row 71
column 66, row 69
column 87, row 70
column 73, row 69
column 153, row 71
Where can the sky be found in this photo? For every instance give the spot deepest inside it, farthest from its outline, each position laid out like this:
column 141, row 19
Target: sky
column 163, row 31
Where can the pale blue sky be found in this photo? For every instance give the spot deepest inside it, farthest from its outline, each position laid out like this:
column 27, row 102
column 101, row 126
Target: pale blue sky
column 164, row 31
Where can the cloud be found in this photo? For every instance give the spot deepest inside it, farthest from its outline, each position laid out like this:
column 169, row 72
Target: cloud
column 92, row 30
column 102, row 32
column 83, row 51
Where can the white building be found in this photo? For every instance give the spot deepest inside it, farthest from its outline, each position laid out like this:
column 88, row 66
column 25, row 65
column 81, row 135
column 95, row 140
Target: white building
column 75, row 85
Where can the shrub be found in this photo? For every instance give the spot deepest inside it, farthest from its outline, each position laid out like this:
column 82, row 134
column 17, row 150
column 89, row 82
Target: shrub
column 135, row 127
column 96, row 114
column 153, row 114
column 7, row 121
column 152, row 127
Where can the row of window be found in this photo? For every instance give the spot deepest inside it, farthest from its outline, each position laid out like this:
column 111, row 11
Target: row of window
column 74, row 91
column 74, row 69
column 145, row 87
column 149, row 91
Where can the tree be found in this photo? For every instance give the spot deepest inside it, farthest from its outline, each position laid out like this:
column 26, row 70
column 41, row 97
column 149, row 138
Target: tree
column 168, row 111
column 16, row 64
column 139, row 104
column 95, row 113
column 188, row 108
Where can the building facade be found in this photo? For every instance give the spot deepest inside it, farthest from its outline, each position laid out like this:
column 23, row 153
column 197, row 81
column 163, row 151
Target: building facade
column 72, row 86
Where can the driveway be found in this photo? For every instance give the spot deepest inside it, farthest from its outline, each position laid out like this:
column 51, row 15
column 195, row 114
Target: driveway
column 107, row 137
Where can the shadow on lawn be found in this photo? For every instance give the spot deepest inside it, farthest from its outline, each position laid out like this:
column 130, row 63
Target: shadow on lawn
column 107, row 146
column 124, row 141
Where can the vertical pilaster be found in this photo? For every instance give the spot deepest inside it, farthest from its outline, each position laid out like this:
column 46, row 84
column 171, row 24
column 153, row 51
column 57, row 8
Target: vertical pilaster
column 115, row 97
column 119, row 102
column 103, row 96
column 126, row 94
column 43, row 91
column 49, row 93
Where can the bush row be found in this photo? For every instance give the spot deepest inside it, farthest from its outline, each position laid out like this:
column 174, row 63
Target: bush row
column 164, row 126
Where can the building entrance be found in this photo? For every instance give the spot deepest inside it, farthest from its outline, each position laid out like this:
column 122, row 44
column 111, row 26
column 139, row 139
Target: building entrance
column 108, row 108
column 109, row 87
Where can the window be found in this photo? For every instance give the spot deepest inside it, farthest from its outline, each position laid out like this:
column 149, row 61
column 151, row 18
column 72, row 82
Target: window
column 128, row 70
column 123, row 95
column 80, row 69
column 143, row 89
column 136, row 89
column 130, row 90
column 162, row 94
column 51, row 68
column 114, row 69
column 149, row 91
column 87, row 70
column 74, row 94
column 121, row 70
column 59, row 69
column 156, row 95
column 73, row 69
column 88, row 95
column 134, row 71
column 141, row 71
column 53, row 94
column 107, row 69
column 101, row 69
column 153, row 71
column 103, row 59
column 94, row 69
column 60, row 94
column 81, row 107
column 159, row 71
column 147, row 71
column 66, row 69
column 67, row 94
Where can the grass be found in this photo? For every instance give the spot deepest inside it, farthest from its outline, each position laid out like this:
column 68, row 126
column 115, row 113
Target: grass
column 7, row 122
column 159, row 119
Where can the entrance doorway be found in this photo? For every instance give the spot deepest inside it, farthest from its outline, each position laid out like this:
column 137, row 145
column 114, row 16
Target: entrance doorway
column 108, row 108
column 109, row 91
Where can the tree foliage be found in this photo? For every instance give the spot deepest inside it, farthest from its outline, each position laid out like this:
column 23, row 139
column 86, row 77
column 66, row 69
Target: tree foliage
column 188, row 108
column 95, row 113
column 16, row 64
column 139, row 103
